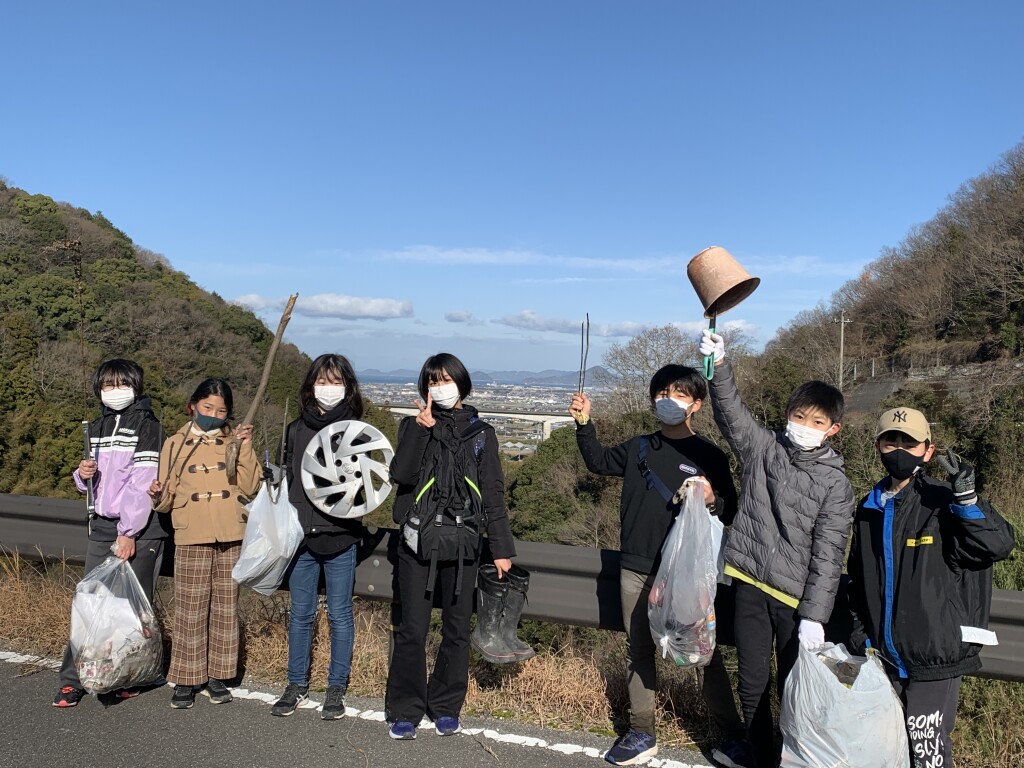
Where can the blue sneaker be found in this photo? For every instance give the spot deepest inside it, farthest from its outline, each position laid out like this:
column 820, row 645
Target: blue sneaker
column 447, row 725
column 734, row 753
column 402, row 729
column 631, row 748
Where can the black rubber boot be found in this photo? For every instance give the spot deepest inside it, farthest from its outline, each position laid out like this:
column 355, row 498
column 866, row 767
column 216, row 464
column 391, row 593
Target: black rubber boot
column 518, row 584
column 491, row 595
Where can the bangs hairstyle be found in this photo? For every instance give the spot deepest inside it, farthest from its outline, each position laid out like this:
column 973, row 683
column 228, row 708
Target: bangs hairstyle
column 217, row 387
column 679, row 377
column 336, row 367
column 818, row 395
column 118, row 372
column 444, row 362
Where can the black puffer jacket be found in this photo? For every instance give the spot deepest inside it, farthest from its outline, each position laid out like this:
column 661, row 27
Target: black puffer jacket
column 920, row 571
column 408, row 461
column 324, row 534
column 795, row 507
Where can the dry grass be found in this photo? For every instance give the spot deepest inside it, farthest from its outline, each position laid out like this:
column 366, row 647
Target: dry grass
column 566, row 687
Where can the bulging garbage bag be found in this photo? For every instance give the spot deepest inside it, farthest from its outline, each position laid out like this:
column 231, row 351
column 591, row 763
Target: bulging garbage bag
column 681, row 607
column 840, row 711
column 115, row 639
column 272, row 536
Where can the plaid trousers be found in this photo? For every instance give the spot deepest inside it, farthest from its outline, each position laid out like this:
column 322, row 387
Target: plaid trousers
column 205, row 640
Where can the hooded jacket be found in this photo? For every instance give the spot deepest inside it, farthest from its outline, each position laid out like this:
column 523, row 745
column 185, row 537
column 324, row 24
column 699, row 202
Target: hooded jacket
column 920, row 574
column 324, row 534
column 126, row 447
column 795, row 508
column 408, row 462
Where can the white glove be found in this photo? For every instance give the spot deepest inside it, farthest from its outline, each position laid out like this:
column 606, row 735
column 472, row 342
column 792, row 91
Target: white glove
column 811, row 634
column 711, row 344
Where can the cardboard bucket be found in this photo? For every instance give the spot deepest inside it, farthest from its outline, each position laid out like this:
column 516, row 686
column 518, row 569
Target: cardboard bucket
column 720, row 281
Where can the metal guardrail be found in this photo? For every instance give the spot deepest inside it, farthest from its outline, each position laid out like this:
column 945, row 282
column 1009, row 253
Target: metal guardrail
column 569, row 585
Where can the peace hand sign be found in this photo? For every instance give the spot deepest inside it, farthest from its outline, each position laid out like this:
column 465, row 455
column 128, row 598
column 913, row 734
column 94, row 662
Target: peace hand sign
column 425, row 418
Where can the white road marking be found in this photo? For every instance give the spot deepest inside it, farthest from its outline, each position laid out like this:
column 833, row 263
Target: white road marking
column 370, row 714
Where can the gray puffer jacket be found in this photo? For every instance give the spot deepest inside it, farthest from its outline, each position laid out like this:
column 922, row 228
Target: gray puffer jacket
column 795, row 509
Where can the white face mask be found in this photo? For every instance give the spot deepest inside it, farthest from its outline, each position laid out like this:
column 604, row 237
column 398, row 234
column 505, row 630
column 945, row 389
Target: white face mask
column 444, row 395
column 328, row 395
column 117, row 399
column 671, row 411
column 804, row 438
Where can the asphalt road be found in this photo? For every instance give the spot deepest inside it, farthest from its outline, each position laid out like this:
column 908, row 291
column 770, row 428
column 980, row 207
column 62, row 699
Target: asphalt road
column 146, row 732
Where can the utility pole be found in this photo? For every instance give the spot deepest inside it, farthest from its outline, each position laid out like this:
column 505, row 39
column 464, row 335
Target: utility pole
column 842, row 336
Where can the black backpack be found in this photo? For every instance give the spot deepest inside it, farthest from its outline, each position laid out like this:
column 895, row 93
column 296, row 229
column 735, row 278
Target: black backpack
column 447, row 520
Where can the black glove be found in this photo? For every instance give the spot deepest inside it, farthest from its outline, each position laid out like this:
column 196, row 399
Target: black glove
column 961, row 477
column 272, row 474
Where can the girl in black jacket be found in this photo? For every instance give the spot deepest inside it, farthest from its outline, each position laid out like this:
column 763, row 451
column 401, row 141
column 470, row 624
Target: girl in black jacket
column 440, row 425
column 329, row 393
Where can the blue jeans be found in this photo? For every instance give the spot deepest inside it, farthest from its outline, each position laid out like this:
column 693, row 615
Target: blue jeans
column 303, row 580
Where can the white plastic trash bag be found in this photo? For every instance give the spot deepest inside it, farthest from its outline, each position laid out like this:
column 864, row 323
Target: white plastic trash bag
column 681, row 606
column 840, row 711
column 272, row 536
column 115, row 640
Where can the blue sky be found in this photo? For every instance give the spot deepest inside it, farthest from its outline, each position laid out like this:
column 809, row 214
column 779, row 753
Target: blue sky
column 475, row 176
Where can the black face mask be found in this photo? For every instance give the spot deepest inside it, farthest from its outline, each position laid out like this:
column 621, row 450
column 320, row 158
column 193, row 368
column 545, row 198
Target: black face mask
column 901, row 464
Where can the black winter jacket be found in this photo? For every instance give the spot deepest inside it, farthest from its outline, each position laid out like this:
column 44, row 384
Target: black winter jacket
column 325, row 535
column 645, row 517
column 795, row 507
column 408, row 462
column 920, row 570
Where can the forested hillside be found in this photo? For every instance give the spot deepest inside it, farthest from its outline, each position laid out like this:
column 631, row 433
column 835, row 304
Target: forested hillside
column 64, row 270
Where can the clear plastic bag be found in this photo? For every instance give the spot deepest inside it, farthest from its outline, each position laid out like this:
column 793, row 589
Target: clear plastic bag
column 272, row 536
column 115, row 639
column 681, row 606
column 840, row 711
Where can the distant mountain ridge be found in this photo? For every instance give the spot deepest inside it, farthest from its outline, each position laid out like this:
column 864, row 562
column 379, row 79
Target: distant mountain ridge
column 549, row 377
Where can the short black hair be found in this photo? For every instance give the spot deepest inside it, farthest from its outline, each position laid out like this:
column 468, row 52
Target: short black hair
column 447, row 363
column 337, row 366
column 218, row 387
column 819, row 395
column 118, row 372
column 681, row 377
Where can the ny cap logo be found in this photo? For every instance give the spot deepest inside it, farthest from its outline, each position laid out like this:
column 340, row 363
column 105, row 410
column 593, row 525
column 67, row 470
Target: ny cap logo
column 899, row 416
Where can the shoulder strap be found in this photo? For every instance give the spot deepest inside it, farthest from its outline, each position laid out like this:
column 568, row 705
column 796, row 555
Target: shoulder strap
column 648, row 474
column 289, row 447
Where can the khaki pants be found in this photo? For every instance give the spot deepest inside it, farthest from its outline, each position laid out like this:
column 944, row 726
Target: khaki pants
column 641, row 674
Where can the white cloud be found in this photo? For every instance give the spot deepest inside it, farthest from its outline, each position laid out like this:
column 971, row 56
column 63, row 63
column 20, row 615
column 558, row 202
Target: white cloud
column 430, row 254
column 529, row 320
column 333, row 305
column 461, row 316
column 800, row 265
column 692, row 329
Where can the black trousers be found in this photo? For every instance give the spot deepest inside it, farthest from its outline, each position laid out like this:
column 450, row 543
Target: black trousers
column 409, row 696
column 930, row 707
column 149, row 556
column 763, row 624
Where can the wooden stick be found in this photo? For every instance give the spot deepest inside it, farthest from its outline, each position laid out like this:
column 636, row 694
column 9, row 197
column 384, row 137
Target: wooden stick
column 267, row 366
column 232, row 448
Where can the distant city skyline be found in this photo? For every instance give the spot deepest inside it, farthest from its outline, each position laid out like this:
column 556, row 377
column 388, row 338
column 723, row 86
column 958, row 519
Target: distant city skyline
column 476, row 177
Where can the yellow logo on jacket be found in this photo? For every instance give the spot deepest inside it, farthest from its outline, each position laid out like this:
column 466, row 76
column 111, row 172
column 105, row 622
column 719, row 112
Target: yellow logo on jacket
column 921, row 542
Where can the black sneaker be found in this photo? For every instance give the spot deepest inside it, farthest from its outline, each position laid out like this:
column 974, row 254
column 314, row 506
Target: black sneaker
column 184, row 697
column 218, row 691
column 334, row 703
column 291, row 698
column 68, row 696
column 632, row 748
column 734, row 753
